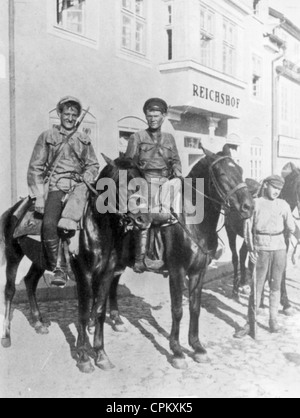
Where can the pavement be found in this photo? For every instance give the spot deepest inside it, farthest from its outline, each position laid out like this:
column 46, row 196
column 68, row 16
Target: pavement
column 43, row 366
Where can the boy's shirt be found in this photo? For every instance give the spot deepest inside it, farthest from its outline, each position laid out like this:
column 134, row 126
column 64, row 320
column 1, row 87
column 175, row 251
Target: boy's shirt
column 272, row 219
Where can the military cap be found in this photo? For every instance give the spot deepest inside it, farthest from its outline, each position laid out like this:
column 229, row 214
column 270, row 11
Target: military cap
column 68, row 99
column 155, row 104
column 275, row 181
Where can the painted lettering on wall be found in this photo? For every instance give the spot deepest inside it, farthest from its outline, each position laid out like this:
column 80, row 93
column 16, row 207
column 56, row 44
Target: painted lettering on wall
column 216, row 96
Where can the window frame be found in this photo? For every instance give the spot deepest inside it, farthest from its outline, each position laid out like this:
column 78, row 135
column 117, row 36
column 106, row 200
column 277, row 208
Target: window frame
column 134, row 19
column 229, row 48
column 90, row 39
column 256, row 166
column 207, row 36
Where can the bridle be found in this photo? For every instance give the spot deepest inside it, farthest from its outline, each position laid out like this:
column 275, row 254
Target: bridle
column 225, row 197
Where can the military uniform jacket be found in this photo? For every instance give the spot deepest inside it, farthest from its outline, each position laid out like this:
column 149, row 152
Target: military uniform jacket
column 83, row 161
column 154, row 151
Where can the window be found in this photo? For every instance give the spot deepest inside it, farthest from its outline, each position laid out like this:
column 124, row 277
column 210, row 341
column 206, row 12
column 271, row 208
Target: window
column 71, row 15
column 207, row 29
column 134, row 26
column 256, row 162
column 256, row 76
column 229, row 48
column 191, row 142
column 75, row 20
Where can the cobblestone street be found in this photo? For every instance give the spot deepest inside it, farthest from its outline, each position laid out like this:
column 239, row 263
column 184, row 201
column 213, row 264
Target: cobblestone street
column 42, row 366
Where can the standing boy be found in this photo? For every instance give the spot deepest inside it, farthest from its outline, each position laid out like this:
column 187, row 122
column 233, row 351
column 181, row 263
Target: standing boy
column 271, row 227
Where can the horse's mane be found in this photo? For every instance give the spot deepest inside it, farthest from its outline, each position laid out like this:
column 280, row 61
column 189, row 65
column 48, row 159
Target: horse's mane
column 122, row 163
column 200, row 169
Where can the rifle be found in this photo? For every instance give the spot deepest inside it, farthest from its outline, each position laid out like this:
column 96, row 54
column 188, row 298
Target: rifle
column 250, row 239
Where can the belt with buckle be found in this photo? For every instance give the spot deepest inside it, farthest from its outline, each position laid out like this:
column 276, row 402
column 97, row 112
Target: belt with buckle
column 276, row 234
column 159, row 173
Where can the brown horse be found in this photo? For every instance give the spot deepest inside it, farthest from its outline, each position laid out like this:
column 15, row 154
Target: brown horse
column 223, row 187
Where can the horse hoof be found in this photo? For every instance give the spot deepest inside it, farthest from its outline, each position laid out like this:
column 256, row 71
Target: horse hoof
column 105, row 365
column 86, row 367
column 179, row 363
column 235, row 295
column 120, row 328
column 201, row 358
column 6, row 342
column 246, row 290
column 41, row 330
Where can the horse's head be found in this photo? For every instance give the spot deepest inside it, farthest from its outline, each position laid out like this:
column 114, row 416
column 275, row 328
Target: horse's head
column 226, row 182
column 291, row 189
column 128, row 180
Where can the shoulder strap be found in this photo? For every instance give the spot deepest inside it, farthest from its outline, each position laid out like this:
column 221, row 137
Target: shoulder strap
column 157, row 147
column 53, row 164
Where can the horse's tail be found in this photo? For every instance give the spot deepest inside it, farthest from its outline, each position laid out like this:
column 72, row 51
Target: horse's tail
column 3, row 222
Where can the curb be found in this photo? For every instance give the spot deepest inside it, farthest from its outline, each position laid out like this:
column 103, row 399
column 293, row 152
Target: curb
column 218, row 272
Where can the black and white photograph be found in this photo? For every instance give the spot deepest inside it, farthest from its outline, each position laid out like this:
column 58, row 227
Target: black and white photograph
column 150, row 201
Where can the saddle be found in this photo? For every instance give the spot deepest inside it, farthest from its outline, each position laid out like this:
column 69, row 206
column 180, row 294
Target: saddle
column 161, row 217
column 29, row 227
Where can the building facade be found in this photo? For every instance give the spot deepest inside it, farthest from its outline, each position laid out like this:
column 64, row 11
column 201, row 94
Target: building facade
column 5, row 126
column 286, row 92
column 209, row 60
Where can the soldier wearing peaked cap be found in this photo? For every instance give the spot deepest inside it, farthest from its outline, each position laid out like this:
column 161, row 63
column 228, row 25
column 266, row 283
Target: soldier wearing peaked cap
column 271, row 224
column 155, row 152
column 58, row 151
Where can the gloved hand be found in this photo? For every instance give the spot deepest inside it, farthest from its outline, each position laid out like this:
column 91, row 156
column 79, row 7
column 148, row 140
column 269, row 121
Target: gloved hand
column 88, row 177
column 40, row 205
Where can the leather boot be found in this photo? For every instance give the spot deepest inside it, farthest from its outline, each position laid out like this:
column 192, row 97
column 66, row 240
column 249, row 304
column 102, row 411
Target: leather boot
column 60, row 277
column 274, row 307
column 141, row 239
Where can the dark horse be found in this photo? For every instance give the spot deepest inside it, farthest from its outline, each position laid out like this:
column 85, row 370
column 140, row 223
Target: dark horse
column 103, row 256
column 223, row 186
column 94, row 260
column 234, row 227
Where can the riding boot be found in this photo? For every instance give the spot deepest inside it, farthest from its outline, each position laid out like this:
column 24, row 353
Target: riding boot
column 60, row 277
column 274, row 307
column 141, row 239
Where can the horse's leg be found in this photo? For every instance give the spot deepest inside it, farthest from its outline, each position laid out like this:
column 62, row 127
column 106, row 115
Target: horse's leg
column 83, row 280
column 118, row 324
column 235, row 261
column 13, row 261
column 177, row 277
column 102, row 361
column 31, row 281
column 196, row 284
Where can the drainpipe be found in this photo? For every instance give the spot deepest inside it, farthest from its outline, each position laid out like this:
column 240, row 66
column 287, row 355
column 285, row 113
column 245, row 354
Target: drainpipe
column 275, row 79
column 12, row 100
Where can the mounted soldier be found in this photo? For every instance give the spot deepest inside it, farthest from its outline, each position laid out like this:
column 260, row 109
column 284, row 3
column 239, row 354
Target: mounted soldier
column 61, row 157
column 155, row 153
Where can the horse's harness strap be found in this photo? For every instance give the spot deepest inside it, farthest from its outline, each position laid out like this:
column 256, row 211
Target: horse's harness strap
column 224, row 196
column 237, row 188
